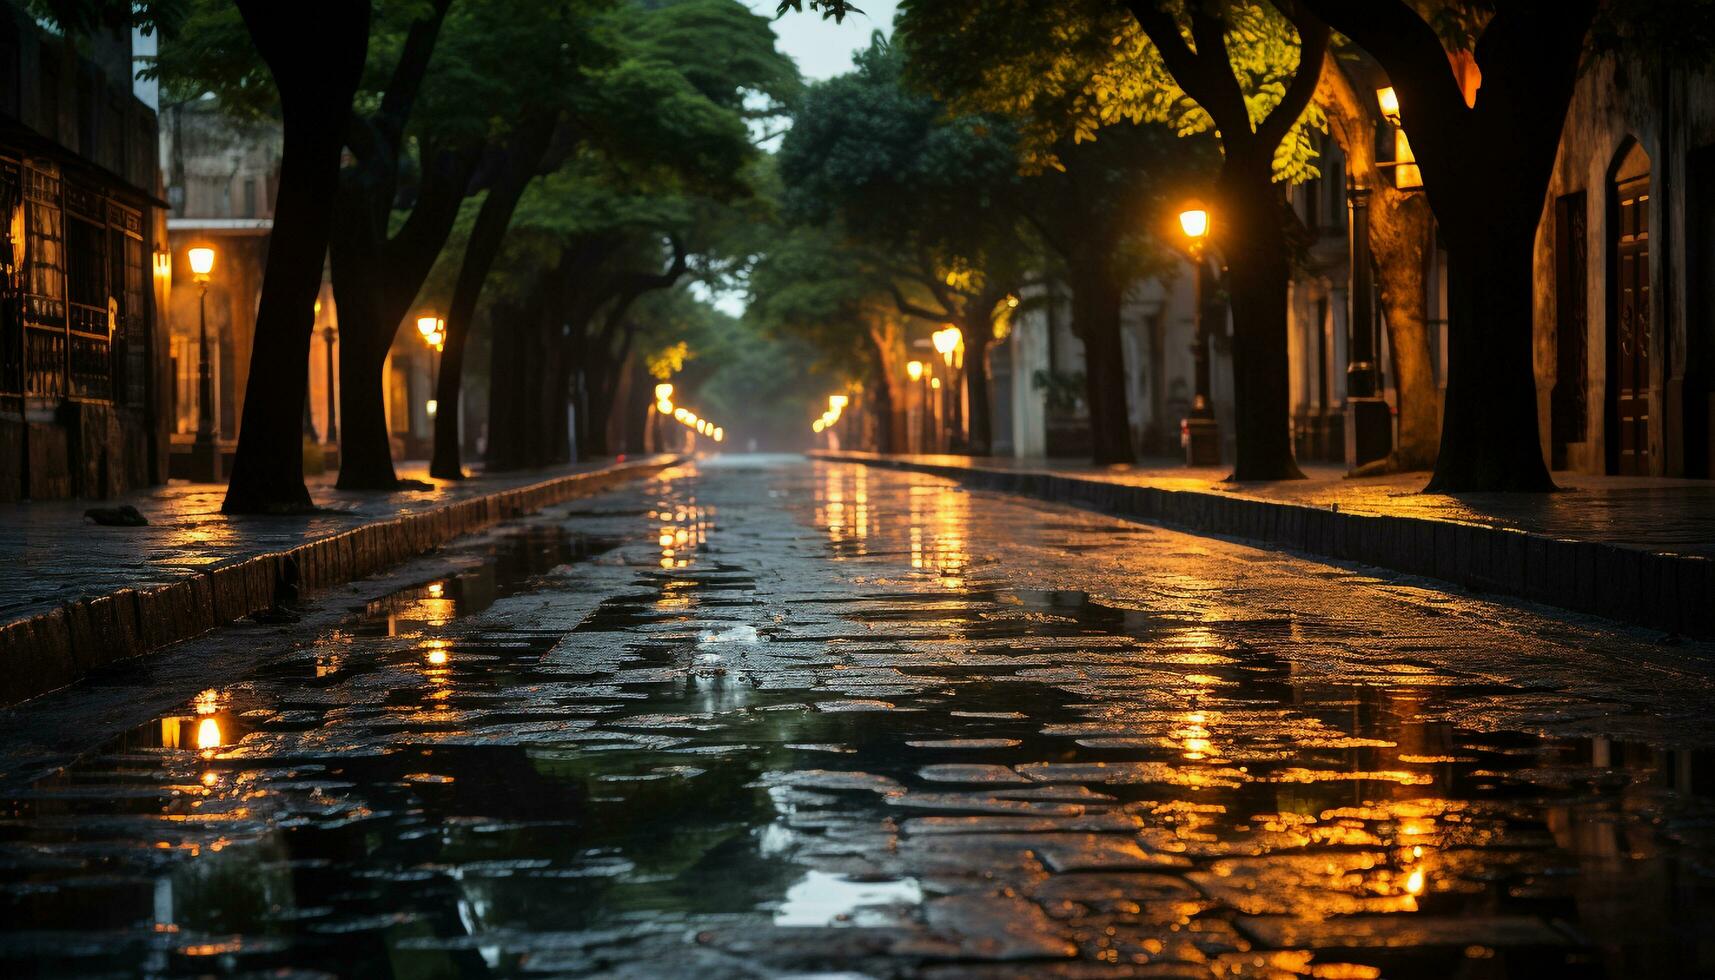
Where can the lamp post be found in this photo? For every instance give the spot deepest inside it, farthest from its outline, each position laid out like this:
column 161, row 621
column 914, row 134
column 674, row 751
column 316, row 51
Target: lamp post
column 1198, row 431
column 914, row 406
column 333, row 422
column 947, row 341
column 434, row 331
column 205, row 455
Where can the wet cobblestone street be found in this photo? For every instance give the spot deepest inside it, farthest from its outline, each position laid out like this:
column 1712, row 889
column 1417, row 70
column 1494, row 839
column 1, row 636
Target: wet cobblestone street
column 770, row 718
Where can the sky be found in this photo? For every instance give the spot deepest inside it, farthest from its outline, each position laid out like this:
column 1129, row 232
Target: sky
column 821, row 47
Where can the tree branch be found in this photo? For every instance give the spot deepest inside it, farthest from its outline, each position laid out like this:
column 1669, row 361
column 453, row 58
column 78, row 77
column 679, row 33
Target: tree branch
column 1312, row 44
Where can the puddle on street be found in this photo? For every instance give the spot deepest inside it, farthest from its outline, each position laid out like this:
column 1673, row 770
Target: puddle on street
column 793, row 718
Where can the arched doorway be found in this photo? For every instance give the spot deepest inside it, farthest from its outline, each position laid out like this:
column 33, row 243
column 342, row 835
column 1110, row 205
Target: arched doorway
column 1628, row 395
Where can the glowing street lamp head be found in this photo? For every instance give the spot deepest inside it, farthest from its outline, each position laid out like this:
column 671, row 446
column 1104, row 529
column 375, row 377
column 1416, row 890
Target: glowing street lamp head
column 837, row 402
column 1388, row 100
column 818, row 425
column 428, row 324
column 719, row 433
column 947, row 340
column 1194, row 222
column 201, row 260
column 664, row 406
column 680, row 415
column 663, row 391
column 914, row 370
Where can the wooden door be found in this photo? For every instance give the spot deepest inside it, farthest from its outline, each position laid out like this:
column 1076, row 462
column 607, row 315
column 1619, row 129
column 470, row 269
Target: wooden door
column 1629, row 349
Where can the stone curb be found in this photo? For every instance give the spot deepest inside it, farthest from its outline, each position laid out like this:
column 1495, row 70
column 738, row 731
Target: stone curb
column 51, row 649
column 1672, row 593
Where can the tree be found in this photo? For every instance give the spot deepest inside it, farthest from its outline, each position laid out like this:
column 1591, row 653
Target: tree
column 1250, row 228
column 814, row 287
column 1509, row 96
column 926, row 193
column 379, row 264
column 719, row 48
column 248, row 55
column 1058, row 74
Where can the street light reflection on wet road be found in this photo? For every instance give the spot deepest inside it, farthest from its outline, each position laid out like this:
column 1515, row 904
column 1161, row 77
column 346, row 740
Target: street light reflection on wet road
column 784, row 716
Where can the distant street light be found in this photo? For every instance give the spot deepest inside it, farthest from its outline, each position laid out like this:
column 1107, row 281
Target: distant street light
column 1198, row 431
column 946, row 341
column 205, row 458
column 664, row 392
column 434, row 331
column 914, row 370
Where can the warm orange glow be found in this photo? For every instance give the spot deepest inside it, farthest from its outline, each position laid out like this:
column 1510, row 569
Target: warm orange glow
column 201, row 260
column 663, row 391
column 818, row 425
column 719, row 433
column 1194, row 222
column 946, row 340
column 914, row 370
column 1388, row 99
column 1406, row 175
column 664, row 407
column 208, row 734
column 935, row 383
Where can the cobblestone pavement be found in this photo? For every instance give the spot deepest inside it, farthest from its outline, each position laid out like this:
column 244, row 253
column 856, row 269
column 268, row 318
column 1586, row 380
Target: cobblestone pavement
column 50, row 554
column 1654, row 513
column 768, row 718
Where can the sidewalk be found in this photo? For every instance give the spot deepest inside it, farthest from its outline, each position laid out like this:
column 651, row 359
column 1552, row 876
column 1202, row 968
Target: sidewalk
column 1637, row 549
column 75, row 595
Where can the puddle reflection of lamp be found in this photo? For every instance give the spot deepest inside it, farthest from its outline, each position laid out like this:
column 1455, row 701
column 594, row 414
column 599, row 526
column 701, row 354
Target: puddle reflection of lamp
column 208, row 734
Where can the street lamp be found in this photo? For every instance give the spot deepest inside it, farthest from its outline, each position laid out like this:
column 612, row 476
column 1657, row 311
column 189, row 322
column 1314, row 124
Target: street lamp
column 434, row 331
column 205, row 457
column 1388, row 99
column 914, row 370
column 1407, row 176
column 1198, row 431
column 664, row 392
column 1194, row 222
column 328, row 335
column 946, row 341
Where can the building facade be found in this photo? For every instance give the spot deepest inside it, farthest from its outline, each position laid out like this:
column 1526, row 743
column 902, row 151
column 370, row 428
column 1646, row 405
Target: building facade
column 1625, row 276
column 83, row 270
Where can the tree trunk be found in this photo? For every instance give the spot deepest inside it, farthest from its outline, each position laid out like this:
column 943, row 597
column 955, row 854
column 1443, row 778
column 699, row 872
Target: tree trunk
column 1486, row 132
column 1490, row 435
column 507, row 323
column 1096, row 302
column 1400, row 236
column 1253, row 240
column 268, row 473
column 365, row 446
column 480, row 252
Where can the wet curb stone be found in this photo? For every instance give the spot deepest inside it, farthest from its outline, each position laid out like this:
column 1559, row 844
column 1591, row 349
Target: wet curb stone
column 1668, row 592
column 51, row 649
